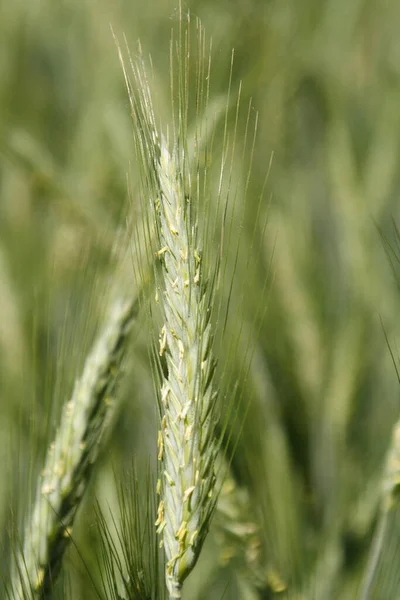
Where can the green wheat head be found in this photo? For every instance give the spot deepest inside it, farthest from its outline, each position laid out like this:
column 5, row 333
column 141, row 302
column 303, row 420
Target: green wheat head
column 187, row 444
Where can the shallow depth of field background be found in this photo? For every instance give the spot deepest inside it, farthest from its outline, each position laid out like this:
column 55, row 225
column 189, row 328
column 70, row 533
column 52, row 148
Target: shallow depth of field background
column 325, row 79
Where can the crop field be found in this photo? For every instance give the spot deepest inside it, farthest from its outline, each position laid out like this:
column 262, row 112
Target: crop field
column 199, row 300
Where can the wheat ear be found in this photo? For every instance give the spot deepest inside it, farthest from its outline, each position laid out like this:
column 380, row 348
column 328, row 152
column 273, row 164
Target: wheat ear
column 70, row 458
column 187, row 447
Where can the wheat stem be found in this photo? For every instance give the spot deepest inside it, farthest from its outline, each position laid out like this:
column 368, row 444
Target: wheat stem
column 70, row 458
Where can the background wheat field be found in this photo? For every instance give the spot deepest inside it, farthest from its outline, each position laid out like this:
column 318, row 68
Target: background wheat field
column 321, row 396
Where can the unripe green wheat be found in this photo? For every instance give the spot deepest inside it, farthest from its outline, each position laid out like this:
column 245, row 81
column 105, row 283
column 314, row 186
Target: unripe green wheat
column 70, row 458
column 187, row 446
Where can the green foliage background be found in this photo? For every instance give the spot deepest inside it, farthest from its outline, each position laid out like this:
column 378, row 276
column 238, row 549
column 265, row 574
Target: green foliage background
column 325, row 80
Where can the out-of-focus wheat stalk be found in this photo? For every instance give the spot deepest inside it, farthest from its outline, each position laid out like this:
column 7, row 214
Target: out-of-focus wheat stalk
column 238, row 535
column 70, row 458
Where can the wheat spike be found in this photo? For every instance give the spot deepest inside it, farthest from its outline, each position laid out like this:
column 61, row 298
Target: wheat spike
column 70, row 458
column 187, row 447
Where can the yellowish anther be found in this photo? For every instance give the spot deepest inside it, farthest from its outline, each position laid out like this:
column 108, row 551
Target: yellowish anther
column 181, row 349
column 160, row 514
column 163, row 340
column 67, row 532
column 182, row 532
column 39, row 579
column 171, row 564
column 164, row 396
column 47, row 488
column 158, row 488
column 169, row 479
column 161, row 251
column 188, row 492
column 275, row 582
column 160, row 445
column 193, row 537
column 161, row 527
